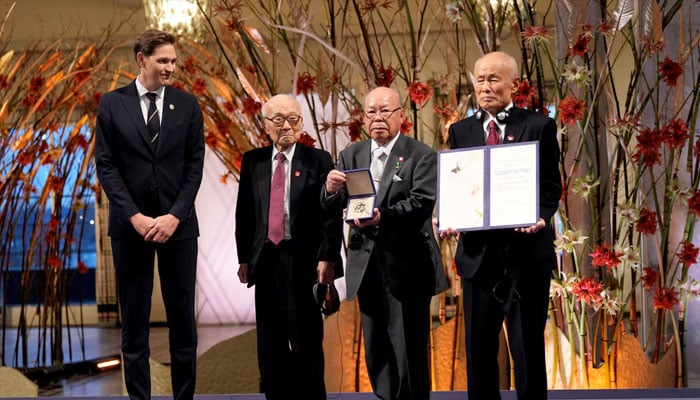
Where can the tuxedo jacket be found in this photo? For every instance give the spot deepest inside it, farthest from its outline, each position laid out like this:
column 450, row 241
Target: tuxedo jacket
column 518, row 250
column 316, row 233
column 138, row 179
column 403, row 245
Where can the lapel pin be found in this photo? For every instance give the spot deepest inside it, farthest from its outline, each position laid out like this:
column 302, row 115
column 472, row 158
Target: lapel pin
column 171, row 106
column 297, row 173
column 510, row 138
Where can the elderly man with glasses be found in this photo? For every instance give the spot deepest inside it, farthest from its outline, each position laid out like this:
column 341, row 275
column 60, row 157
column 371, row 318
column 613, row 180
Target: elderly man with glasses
column 393, row 265
column 286, row 243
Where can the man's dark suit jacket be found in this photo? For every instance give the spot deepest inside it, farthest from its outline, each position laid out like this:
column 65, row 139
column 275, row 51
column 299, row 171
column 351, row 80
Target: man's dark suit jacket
column 532, row 250
column 316, row 233
column 404, row 241
column 134, row 177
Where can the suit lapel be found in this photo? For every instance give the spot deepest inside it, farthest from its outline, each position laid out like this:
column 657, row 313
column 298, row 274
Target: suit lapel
column 477, row 136
column 169, row 109
column 297, row 176
column 132, row 105
column 262, row 176
column 390, row 168
column 514, row 127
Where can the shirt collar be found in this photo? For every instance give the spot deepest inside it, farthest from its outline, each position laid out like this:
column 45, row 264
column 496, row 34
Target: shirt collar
column 288, row 153
column 142, row 89
column 387, row 148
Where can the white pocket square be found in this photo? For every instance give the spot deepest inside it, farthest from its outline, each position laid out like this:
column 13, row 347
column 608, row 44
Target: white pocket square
column 396, row 178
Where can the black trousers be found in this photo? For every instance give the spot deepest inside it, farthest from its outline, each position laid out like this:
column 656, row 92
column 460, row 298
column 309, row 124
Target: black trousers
column 397, row 335
column 486, row 306
column 177, row 267
column 289, row 325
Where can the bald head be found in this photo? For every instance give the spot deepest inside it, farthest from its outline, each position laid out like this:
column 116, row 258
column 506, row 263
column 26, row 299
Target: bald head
column 495, row 81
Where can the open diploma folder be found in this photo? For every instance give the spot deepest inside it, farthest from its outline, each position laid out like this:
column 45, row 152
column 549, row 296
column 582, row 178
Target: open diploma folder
column 488, row 187
column 361, row 194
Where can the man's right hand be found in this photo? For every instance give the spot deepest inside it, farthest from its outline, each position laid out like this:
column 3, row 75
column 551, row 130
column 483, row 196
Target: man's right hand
column 142, row 223
column 243, row 272
column 334, row 181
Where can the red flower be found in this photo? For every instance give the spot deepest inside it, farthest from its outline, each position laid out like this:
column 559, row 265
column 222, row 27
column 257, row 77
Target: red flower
column 36, row 83
column 53, row 224
column 604, row 256
column 571, row 110
column 355, row 130
column 306, row 140
column 76, row 141
column 406, row 126
column 82, row 268
column 385, row 76
column 675, row 133
column 694, row 202
column 306, row 83
column 190, row 65
column 251, row 107
column 688, row 254
column 53, row 261
column 230, row 107
column 648, row 143
column 211, row 140
column 178, row 85
column 649, row 278
column 580, row 47
column 646, row 224
column 199, row 86
column 533, row 33
column 419, row 92
column 665, row 298
column 3, row 82
column 523, row 96
column 588, row 290
column 444, row 112
column 55, row 184
column 670, row 71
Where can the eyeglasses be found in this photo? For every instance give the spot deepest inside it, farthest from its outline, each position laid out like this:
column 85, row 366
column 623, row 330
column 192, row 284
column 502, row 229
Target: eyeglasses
column 385, row 114
column 279, row 119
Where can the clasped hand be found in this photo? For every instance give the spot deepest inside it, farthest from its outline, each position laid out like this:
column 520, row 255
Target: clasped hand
column 156, row 230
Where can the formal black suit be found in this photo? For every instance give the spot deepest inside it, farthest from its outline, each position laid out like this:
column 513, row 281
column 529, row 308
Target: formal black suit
column 499, row 263
column 138, row 179
column 288, row 319
column 396, row 268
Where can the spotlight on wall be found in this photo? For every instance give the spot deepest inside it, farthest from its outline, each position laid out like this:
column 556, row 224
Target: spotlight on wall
column 180, row 17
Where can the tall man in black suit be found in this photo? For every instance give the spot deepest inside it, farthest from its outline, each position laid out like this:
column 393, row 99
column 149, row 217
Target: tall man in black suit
column 506, row 272
column 286, row 242
column 393, row 265
column 149, row 152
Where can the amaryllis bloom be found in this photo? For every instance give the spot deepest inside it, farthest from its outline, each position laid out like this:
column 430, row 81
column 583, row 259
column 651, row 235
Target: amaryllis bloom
column 646, row 224
column 648, row 143
column 523, row 96
column 568, row 239
column 211, row 140
column 606, row 27
column 688, row 254
column 571, row 110
column 82, row 268
column 355, row 130
column 669, row 71
column 55, row 184
column 306, row 83
column 604, row 256
column 178, row 85
column 648, row 279
column 372, row 5
column 580, row 46
column 306, row 140
column 199, row 86
column 584, row 186
column 675, row 133
column 536, row 33
column 453, row 11
column 628, row 213
column 190, row 65
column 694, row 202
column 588, row 290
column 665, row 298
column 419, row 92
column 577, row 73
column 406, row 126
column 53, row 261
column 385, row 76
column 251, row 106
column 631, row 256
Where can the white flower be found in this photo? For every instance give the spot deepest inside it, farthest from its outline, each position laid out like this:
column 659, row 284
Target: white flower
column 453, row 11
column 575, row 73
column 628, row 212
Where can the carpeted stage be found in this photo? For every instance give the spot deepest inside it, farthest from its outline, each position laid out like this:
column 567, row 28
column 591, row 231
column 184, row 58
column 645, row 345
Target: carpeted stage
column 629, row 394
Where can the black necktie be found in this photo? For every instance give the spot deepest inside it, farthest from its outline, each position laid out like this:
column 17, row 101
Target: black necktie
column 153, row 120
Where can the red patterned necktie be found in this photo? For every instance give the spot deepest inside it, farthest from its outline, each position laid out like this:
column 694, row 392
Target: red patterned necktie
column 494, row 136
column 275, row 217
